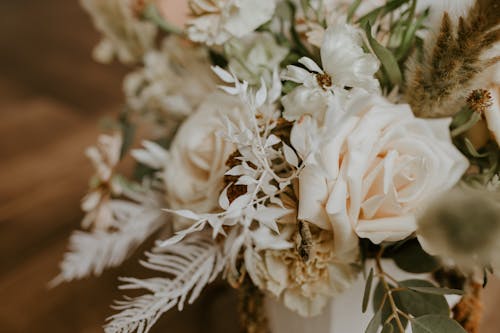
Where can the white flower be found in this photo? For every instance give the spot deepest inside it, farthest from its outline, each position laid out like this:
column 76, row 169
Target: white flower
column 306, row 287
column 218, row 20
column 379, row 166
column 345, row 64
column 173, row 81
column 492, row 113
column 96, row 204
column 198, row 155
column 125, row 36
column 255, row 56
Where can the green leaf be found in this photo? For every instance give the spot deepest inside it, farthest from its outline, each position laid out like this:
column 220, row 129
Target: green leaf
column 472, row 150
column 410, row 257
column 437, row 291
column 388, row 328
column 474, row 118
column 128, row 133
column 368, row 288
column 375, row 322
column 390, row 66
column 352, row 9
column 419, row 304
column 381, row 11
column 435, row 324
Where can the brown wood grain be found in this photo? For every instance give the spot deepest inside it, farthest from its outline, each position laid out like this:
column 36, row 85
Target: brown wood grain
column 51, row 97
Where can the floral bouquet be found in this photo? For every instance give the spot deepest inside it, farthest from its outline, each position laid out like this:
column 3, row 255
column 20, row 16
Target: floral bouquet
column 292, row 147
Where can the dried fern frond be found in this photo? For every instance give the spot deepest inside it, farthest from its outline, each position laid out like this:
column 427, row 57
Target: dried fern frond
column 188, row 267
column 90, row 253
column 451, row 67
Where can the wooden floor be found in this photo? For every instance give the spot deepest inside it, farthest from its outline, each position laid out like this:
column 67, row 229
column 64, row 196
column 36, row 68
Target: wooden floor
column 51, row 97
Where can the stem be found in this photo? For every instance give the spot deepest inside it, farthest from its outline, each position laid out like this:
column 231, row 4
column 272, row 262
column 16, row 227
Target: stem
column 388, row 291
column 252, row 310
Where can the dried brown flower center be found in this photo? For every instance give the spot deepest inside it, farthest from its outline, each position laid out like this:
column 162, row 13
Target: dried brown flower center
column 324, row 80
column 479, row 100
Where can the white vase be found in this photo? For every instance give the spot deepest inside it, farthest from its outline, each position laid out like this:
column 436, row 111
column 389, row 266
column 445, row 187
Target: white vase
column 342, row 315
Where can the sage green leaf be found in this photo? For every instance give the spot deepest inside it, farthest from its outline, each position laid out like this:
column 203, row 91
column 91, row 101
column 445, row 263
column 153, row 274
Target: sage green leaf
column 390, row 66
column 381, row 11
column 368, row 288
column 419, row 304
column 435, row 324
column 388, row 328
column 352, row 9
column 472, row 150
column 437, row 291
column 410, row 257
column 375, row 322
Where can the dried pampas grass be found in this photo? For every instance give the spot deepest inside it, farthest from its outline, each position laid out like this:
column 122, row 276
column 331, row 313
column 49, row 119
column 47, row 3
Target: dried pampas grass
column 451, row 66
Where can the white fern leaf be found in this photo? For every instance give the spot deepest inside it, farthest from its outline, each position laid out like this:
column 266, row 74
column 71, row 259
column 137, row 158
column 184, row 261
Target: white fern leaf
column 90, row 253
column 191, row 265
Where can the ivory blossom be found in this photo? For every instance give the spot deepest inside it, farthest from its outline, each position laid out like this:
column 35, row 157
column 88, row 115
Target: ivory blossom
column 216, row 21
column 380, row 166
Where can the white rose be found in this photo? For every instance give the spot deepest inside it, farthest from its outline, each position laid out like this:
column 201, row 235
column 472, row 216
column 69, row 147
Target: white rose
column 218, row 20
column 194, row 175
column 379, row 167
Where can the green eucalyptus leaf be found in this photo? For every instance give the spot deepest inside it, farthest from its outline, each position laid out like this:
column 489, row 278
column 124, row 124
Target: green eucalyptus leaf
column 435, row 324
column 390, row 66
column 368, row 288
column 436, row 290
column 375, row 322
column 419, row 304
column 410, row 257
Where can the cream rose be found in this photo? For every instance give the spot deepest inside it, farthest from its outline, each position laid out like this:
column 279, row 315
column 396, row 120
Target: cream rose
column 194, row 175
column 379, row 167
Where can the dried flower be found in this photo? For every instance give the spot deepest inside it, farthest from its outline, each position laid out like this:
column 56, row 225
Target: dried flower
column 216, row 21
column 125, row 35
column 306, row 286
column 172, row 83
column 463, row 227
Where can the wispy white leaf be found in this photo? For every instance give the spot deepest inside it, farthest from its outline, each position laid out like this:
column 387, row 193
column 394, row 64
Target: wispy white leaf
column 180, row 235
column 223, row 199
column 193, row 264
column 272, row 140
column 90, row 253
column 223, row 74
column 290, row 155
column 261, row 95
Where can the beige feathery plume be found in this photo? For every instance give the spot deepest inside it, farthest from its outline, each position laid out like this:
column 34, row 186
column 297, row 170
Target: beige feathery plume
column 450, row 69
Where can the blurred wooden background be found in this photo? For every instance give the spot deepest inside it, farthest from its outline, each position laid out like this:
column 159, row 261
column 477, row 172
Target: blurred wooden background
column 51, row 97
